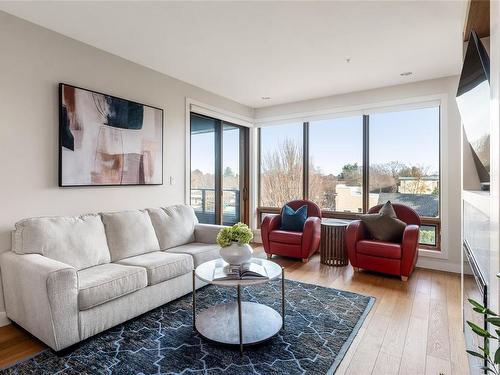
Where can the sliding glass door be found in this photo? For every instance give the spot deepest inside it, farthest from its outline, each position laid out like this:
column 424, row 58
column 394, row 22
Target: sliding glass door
column 219, row 181
column 231, row 175
column 203, row 136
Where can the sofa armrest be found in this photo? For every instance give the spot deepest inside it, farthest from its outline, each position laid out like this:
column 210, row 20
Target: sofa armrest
column 311, row 236
column 41, row 295
column 355, row 232
column 206, row 233
column 409, row 249
column 270, row 223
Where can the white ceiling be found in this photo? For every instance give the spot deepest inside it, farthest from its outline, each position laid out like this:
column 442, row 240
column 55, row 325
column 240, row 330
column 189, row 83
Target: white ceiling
column 288, row 51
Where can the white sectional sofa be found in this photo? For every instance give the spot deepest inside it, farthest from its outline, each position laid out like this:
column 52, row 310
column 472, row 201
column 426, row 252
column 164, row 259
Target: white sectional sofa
column 69, row 278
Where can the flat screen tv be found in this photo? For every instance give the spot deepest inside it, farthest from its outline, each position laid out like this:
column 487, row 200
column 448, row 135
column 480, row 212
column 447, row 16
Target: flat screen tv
column 473, row 99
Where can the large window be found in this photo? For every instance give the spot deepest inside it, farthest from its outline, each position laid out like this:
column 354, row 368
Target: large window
column 404, row 162
column 347, row 165
column 281, row 164
column 336, row 164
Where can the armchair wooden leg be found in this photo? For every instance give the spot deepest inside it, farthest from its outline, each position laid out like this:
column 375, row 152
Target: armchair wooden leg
column 404, row 278
column 269, row 256
column 305, row 260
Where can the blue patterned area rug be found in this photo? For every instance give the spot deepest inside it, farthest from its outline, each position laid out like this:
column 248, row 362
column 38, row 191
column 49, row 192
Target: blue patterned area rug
column 320, row 325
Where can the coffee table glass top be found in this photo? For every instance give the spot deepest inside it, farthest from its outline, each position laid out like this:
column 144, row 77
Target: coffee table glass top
column 205, row 272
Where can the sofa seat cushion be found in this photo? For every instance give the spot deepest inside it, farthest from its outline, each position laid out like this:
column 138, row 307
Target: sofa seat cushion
column 100, row 284
column 76, row 241
column 284, row 236
column 379, row 249
column 174, row 225
column 129, row 233
column 161, row 266
column 201, row 252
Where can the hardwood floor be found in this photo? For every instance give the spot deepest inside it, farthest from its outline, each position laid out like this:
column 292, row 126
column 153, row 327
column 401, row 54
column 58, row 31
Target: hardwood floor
column 16, row 345
column 413, row 328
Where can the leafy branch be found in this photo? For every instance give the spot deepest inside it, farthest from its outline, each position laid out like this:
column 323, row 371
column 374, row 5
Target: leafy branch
column 484, row 353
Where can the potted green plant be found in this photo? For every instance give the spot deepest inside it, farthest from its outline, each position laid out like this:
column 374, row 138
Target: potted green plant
column 492, row 359
column 234, row 242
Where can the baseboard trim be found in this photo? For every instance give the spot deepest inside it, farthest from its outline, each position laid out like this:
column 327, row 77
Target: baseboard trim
column 3, row 319
column 441, row 265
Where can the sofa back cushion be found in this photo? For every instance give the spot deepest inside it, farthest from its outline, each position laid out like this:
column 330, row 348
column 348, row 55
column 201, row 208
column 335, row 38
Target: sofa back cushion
column 174, row 225
column 129, row 233
column 77, row 241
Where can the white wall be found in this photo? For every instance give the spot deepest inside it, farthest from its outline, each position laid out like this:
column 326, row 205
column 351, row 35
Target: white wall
column 33, row 61
column 494, row 289
column 445, row 90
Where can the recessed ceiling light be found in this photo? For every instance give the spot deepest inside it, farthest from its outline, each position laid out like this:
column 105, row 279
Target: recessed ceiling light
column 404, row 74
column 265, row 97
column 348, row 60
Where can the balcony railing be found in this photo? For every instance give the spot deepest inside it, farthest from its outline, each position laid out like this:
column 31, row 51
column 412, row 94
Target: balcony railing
column 203, row 202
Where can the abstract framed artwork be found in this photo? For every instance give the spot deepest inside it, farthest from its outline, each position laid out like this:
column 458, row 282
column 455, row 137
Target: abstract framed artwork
column 108, row 141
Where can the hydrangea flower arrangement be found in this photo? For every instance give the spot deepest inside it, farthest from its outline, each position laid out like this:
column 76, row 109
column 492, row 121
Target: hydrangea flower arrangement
column 239, row 232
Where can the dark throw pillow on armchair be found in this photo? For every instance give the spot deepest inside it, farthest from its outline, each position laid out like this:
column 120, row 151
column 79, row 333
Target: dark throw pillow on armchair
column 292, row 220
column 384, row 225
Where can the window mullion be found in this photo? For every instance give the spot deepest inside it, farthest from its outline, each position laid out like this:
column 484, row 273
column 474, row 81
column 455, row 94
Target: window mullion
column 259, row 166
column 305, row 161
column 366, row 161
column 218, row 172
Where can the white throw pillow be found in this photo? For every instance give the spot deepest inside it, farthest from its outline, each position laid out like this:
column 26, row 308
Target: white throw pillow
column 129, row 233
column 77, row 241
column 174, row 225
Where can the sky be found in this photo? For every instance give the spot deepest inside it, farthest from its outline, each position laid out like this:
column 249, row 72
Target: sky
column 410, row 137
column 203, row 151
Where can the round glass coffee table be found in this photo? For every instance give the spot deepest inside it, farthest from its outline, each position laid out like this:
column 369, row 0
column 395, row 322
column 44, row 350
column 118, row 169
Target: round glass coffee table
column 238, row 323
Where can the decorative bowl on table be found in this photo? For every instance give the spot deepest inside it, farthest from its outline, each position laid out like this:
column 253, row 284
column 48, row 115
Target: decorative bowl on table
column 236, row 254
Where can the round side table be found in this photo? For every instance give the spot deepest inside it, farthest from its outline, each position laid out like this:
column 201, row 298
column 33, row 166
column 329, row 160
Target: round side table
column 332, row 249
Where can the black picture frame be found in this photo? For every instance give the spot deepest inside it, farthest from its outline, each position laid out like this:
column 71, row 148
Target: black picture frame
column 62, row 130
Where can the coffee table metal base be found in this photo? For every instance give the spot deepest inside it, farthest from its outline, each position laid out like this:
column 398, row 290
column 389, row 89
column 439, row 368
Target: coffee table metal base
column 220, row 323
column 225, row 324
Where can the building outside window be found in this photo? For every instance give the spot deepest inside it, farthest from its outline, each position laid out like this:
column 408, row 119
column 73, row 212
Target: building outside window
column 336, row 164
column 404, row 162
column 323, row 161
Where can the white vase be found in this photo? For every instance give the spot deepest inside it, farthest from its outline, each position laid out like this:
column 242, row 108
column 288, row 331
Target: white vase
column 236, row 254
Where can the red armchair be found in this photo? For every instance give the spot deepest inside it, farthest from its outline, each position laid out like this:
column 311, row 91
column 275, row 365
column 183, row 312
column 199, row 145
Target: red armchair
column 386, row 257
column 293, row 244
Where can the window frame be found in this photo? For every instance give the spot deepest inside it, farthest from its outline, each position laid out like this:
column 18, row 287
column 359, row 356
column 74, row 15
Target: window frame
column 427, row 221
column 244, row 146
